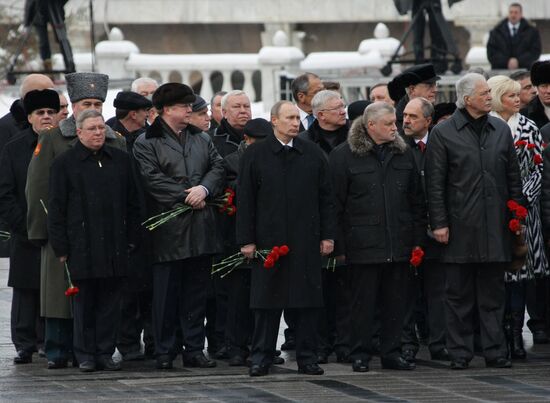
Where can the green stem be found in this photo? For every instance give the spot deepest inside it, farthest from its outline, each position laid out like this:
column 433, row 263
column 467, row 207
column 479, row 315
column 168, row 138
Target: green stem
column 68, row 275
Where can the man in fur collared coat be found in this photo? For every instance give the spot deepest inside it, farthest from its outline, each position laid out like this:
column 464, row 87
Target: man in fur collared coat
column 381, row 218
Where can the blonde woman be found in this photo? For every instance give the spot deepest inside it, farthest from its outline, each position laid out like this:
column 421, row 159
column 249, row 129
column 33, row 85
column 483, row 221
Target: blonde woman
column 529, row 146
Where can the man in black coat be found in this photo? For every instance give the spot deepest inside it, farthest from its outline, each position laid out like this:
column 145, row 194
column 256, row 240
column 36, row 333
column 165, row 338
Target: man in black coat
column 416, row 81
column 513, row 43
column 236, row 112
column 27, row 330
column 92, row 221
column 137, row 291
column 285, row 198
column 13, row 122
column 180, row 166
column 328, row 130
column 471, row 173
column 304, row 87
column 240, row 320
column 427, row 296
column 538, row 110
column 381, row 218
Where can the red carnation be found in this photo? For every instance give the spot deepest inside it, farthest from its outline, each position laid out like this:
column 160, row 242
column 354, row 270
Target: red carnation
column 512, row 205
column 416, row 257
column 69, row 292
column 415, row 261
column 521, row 213
column 530, row 146
column 231, row 210
column 276, row 250
column 274, row 255
column 269, row 262
column 537, row 159
column 544, row 145
column 283, row 250
column 521, row 143
column 514, row 225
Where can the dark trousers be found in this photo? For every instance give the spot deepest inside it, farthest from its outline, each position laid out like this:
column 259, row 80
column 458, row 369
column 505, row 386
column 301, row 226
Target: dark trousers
column 470, row 288
column 96, row 310
column 266, row 330
column 371, row 286
column 58, row 339
column 240, row 319
column 27, row 327
column 216, row 313
column 179, row 294
column 436, row 38
column 135, row 317
column 290, row 320
column 334, row 318
column 537, row 300
column 430, row 282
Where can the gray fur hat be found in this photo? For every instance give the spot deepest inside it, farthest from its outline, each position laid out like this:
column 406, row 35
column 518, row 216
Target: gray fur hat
column 87, row 85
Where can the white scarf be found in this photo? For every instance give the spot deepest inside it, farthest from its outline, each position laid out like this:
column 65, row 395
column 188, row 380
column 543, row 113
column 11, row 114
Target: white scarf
column 513, row 121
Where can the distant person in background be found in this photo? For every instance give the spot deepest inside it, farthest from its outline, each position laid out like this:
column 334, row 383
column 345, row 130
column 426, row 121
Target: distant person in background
column 332, row 86
column 513, row 43
column 538, row 110
column 216, row 111
column 304, row 88
column 379, row 92
column 528, row 90
column 199, row 116
column 146, row 86
column 63, row 108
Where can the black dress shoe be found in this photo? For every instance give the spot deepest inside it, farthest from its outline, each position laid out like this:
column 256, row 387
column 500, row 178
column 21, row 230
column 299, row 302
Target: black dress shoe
column 398, row 363
column 22, row 357
column 277, row 353
column 222, row 353
column 278, row 360
column 500, row 362
column 459, row 364
column 57, row 364
column 133, row 356
column 311, row 369
column 289, row 344
column 107, row 364
column 237, row 361
column 360, row 366
column 441, row 355
column 322, row 358
column 409, row 355
column 164, row 361
column 540, row 337
column 258, row 370
column 199, row 361
column 87, row 366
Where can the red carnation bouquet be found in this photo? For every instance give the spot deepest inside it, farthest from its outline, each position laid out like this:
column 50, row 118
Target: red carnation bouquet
column 269, row 256
column 72, row 290
column 519, row 215
column 224, row 204
column 528, row 165
column 417, row 256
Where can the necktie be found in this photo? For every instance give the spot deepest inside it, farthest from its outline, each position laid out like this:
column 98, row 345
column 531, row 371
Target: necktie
column 514, row 32
column 310, row 119
column 421, row 145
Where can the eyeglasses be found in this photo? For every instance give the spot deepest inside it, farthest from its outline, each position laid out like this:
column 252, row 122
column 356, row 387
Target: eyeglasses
column 337, row 108
column 42, row 112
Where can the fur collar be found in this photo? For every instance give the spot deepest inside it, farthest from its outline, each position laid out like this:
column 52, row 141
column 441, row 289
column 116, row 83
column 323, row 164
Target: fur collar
column 360, row 142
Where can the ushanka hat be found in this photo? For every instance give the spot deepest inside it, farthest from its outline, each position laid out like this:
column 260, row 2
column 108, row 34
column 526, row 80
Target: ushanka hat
column 540, row 73
column 40, row 99
column 131, row 101
column 87, row 85
column 421, row 73
column 171, row 94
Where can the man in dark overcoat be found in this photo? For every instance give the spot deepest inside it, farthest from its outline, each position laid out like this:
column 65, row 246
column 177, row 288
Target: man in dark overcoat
column 471, row 174
column 381, row 218
column 180, row 166
column 137, row 291
column 328, row 130
column 537, row 109
column 285, row 198
column 92, row 220
column 27, row 329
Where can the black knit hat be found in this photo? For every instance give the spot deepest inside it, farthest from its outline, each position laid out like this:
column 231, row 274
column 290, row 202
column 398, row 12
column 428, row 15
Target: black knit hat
column 258, row 128
column 39, row 99
column 172, row 93
column 356, row 109
column 131, row 101
column 199, row 104
column 540, row 73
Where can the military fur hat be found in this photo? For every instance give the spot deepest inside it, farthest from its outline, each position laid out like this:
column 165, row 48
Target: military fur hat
column 172, row 93
column 131, row 101
column 87, row 85
column 39, row 99
column 540, row 73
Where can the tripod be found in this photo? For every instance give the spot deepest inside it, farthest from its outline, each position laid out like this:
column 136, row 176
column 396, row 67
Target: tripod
column 55, row 14
column 439, row 56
